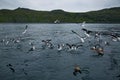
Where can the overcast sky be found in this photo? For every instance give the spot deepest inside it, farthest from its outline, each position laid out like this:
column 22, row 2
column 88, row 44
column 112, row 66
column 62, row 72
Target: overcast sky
column 67, row 5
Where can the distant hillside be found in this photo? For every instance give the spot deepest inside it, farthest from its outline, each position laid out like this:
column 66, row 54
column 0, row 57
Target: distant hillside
column 23, row 15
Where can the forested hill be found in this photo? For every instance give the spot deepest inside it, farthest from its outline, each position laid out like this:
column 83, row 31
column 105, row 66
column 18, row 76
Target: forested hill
column 24, row 15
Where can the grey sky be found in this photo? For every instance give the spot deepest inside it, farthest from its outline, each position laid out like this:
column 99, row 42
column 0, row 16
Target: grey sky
column 67, row 5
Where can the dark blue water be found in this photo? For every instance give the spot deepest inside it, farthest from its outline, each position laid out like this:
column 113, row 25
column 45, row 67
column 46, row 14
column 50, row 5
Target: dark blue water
column 49, row 64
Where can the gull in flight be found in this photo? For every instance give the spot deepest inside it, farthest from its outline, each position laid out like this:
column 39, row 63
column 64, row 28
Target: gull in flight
column 81, row 38
column 25, row 30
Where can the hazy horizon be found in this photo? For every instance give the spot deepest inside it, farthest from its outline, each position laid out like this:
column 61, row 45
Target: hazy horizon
column 58, row 9
column 69, row 6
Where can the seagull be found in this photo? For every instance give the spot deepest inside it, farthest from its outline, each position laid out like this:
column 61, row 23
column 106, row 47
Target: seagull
column 25, row 30
column 98, row 37
column 87, row 31
column 81, row 38
column 83, row 24
column 59, row 47
column 98, row 49
column 32, row 48
column 7, row 42
column 106, row 43
column 16, row 40
column 97, row 34
column 48, row 43
column 70, row 46
column 73, row 46
column 115, row 37
column 11, row 67
column 77, row 69
column 87, row 34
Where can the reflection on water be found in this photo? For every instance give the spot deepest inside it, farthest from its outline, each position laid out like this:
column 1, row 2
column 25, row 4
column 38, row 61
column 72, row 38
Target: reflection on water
column 45, row 63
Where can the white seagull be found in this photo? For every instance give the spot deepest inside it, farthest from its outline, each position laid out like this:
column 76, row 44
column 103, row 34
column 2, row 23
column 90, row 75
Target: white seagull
column 25, row 30
column 81, row 38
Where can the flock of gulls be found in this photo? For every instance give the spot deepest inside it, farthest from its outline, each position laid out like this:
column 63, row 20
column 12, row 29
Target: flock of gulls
column 47, row 44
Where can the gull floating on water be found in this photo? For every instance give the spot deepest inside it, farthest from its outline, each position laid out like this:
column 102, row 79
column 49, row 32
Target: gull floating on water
column 60, row 47
column 73, row 46
column 32, row 48
column 11, row 67
column 77, row 69
column 48, row 43
column 115, row 37
column 98, row 49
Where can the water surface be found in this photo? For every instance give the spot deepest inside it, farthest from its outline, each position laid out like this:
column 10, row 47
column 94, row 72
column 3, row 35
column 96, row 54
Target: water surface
column 49, row 64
